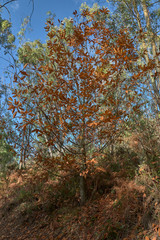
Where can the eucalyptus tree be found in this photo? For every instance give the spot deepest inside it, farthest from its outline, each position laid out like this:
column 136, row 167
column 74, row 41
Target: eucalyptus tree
column 8, row 132
column 142, row 19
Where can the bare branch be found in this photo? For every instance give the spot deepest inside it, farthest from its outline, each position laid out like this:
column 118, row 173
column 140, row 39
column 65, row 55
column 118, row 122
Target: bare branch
column 1, row 6
column 31, row 1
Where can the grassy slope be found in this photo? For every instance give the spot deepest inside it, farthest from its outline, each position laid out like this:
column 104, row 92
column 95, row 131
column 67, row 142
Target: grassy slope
column 33, row 206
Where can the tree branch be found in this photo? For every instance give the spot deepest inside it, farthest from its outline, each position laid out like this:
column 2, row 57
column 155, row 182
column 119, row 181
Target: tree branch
column 1, row 6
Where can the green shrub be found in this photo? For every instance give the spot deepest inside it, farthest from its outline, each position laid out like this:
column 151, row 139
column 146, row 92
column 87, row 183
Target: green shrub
column 24, row 195
column 147, row 177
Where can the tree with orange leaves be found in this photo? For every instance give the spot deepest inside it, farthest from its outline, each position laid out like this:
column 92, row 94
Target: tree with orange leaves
column 84, row 65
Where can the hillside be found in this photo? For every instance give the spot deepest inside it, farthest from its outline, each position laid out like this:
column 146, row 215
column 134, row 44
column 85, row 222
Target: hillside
column 35, row 206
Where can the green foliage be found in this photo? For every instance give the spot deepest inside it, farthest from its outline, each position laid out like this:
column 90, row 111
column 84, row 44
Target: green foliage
column 146, row 131
column 67, row 190
column 68, row 26
column 30, row 52
column 6, row 37
column 6, row 154
column 148, row 178
column 5, row 24
column 21, row 33
column 11, row 38
column 99, row 16
column 115, row 232
column 24, row 195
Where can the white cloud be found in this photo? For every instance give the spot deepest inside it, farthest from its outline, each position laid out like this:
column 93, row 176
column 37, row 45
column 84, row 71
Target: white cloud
column 80, row 1
column 15, row 5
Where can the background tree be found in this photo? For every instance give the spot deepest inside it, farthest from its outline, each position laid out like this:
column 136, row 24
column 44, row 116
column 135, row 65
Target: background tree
column 141, row 17
column 7, row 49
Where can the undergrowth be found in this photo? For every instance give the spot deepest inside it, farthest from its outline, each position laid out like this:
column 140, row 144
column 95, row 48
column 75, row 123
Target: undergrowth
column 123, row 201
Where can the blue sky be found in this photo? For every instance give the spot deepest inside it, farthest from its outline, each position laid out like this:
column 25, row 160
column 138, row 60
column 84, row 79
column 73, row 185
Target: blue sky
column 22, row 8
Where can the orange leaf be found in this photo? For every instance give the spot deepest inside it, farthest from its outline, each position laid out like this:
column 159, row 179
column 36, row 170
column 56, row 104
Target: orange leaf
column 68, row 108
column 11, row 107
column 146, row 238
column 154, row 238
column 22, row 77
column 25, row 65
column 10, row 99
column 24, row 73
column 14, row 114
column 24, row 127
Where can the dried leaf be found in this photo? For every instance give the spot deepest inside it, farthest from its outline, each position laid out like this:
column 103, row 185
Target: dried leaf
column 147, row 238
column 14, row 114
column 154, row 238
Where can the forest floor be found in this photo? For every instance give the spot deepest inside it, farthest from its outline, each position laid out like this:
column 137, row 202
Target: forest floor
column 35, row 207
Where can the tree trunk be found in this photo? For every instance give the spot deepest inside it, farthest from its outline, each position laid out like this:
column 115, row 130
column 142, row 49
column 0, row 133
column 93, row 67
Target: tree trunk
column 83, row 168
column 82, row 187
column 155, row 81
column 22, row 159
